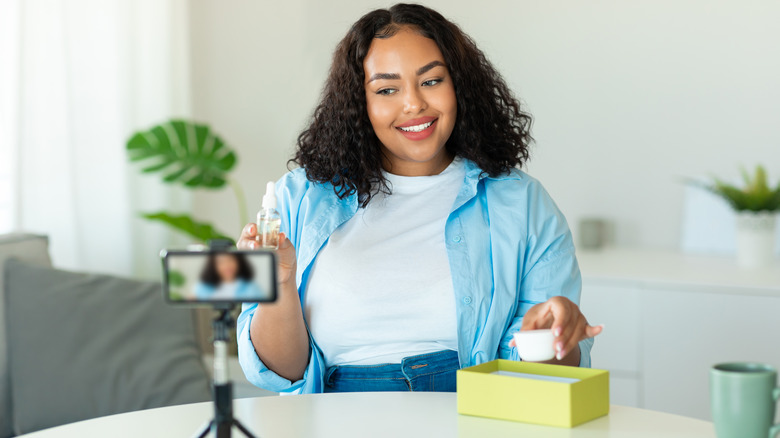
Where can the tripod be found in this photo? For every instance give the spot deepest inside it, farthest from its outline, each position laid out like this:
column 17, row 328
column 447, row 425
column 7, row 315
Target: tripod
column 222, row 389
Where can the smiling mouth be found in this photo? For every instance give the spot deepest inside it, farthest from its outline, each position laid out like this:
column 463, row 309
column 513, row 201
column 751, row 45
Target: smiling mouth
column 417, row 128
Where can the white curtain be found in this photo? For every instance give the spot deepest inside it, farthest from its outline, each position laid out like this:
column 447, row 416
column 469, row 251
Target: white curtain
column 77, row 77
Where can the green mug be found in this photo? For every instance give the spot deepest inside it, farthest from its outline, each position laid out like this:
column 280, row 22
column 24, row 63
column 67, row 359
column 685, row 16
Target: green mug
column 743, row 397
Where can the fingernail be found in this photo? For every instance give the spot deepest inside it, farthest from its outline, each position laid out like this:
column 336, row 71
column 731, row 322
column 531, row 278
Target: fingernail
column 559, row 347
column 559, row 356
column 557, row 331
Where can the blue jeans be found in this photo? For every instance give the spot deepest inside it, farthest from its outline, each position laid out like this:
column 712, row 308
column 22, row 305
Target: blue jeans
column 424, row 372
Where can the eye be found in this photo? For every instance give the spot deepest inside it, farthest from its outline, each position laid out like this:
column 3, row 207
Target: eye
column 431, row 82
column 386, row 91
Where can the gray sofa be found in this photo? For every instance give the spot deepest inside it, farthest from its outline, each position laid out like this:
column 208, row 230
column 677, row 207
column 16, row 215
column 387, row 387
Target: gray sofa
column 74, row 346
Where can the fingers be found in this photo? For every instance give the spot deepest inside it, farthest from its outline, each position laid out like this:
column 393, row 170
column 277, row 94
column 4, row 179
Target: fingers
column 247, row 244
column 284, row 242
column 580, row 330
column 568, row 324
column 593, row 331
column 538, row 317
column 561, row 309
column 572, row 336
column 249, row 231
column 564, row 325
column 285, row 250
column 583, row 331
column 547, row 319
column 248, row 238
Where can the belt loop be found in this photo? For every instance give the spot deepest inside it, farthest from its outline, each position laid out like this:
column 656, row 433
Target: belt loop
column 328, row 374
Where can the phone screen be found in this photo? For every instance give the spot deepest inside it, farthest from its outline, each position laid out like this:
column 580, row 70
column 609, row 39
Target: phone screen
column 222, row 276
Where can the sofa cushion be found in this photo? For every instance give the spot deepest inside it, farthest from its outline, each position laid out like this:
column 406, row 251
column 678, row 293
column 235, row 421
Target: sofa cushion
column 30, row 248
column 83, row 346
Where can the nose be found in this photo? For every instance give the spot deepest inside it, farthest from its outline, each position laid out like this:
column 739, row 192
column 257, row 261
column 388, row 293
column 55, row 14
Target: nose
column 414, row 102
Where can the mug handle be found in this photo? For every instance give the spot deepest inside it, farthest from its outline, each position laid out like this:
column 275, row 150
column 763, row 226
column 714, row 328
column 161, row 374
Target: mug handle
column 775, row 430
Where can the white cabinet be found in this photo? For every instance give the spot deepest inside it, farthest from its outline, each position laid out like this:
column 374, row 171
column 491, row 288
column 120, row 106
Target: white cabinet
column 686, row 332
column 617, row 348
column 615, row 306
column 669, row 317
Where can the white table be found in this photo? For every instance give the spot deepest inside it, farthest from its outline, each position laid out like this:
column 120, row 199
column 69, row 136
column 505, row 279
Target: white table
column 389, row 414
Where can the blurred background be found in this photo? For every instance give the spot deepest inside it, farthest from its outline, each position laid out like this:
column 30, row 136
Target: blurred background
column 627, row 97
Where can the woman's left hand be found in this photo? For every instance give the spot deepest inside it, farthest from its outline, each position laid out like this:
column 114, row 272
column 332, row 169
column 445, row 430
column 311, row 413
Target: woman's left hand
column 567, row 322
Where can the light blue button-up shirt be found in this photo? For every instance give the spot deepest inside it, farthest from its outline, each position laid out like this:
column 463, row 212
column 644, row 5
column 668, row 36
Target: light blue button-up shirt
column 509, row 249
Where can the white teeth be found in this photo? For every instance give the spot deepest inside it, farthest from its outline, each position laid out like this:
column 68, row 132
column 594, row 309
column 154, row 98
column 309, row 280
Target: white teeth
column 416, row 128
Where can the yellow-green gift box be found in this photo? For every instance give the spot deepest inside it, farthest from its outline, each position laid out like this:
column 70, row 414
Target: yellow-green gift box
column 485, row 394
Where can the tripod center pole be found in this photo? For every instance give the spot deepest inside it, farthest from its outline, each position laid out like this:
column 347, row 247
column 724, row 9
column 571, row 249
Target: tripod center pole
column 221, row 374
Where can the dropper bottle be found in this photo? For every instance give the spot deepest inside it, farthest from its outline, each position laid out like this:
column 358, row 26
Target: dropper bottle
column 268, row 219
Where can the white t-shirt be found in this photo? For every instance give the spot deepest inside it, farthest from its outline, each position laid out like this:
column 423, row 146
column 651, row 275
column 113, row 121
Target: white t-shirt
column 225, row 291
column 381, row 289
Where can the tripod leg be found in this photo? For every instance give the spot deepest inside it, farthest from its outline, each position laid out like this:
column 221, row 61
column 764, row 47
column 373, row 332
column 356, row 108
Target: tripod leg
column 205, row 430
column 243, row 429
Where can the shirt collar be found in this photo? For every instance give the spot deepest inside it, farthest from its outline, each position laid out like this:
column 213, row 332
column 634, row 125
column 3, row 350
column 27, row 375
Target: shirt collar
column 474, row 173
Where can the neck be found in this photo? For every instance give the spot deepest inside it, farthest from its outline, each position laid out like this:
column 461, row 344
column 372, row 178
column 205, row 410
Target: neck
column 415, row 168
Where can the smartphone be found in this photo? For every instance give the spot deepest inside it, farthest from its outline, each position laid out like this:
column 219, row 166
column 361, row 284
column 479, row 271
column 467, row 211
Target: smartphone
column 219, row 276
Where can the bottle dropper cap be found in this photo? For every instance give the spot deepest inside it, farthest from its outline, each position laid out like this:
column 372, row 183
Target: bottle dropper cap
column 269, row 200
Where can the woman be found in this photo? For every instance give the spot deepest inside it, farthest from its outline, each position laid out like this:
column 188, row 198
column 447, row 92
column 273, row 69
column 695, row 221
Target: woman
column 228, row 277
column 413, row 245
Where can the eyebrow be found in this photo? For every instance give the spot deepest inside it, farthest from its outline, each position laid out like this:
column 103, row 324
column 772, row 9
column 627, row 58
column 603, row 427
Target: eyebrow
column 395, row 76
column 424, row 69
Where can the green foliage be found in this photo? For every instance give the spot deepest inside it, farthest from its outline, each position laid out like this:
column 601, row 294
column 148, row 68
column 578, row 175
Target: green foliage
column 176, row 296
column 201, row 231
column 176, row 278
column 756, row 195
column 188, row 153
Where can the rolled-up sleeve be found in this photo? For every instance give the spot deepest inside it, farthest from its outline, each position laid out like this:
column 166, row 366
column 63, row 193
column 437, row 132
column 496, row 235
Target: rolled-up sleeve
column 255, row 370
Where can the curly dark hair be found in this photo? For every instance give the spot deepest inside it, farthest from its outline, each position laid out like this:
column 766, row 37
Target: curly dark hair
column 340, row 146
column 210, row 276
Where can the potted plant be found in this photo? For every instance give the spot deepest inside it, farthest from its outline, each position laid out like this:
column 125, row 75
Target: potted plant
column 756, row 206
column 190, row 154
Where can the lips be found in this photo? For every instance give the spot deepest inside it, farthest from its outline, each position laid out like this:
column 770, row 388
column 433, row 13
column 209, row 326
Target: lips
column 418, row 129
column 415, row 122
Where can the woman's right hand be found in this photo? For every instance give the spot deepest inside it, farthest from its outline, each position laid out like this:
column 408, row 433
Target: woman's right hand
column 286, row 267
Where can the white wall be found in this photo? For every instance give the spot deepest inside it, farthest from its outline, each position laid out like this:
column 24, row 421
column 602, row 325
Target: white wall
column 627, row 96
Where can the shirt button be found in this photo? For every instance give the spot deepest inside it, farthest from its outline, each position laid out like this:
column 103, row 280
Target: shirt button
column 456, row 239
column 467, row 300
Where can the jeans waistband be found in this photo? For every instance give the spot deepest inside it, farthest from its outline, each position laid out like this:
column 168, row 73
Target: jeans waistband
column 409, row 368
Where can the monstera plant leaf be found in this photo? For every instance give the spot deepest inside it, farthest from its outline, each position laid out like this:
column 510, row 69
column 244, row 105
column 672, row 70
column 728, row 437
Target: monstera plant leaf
column 199, row 230
column 187, row 153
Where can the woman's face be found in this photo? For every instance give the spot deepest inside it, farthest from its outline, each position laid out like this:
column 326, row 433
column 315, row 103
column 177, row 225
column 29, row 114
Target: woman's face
column 227, row 267
column 411, row 102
